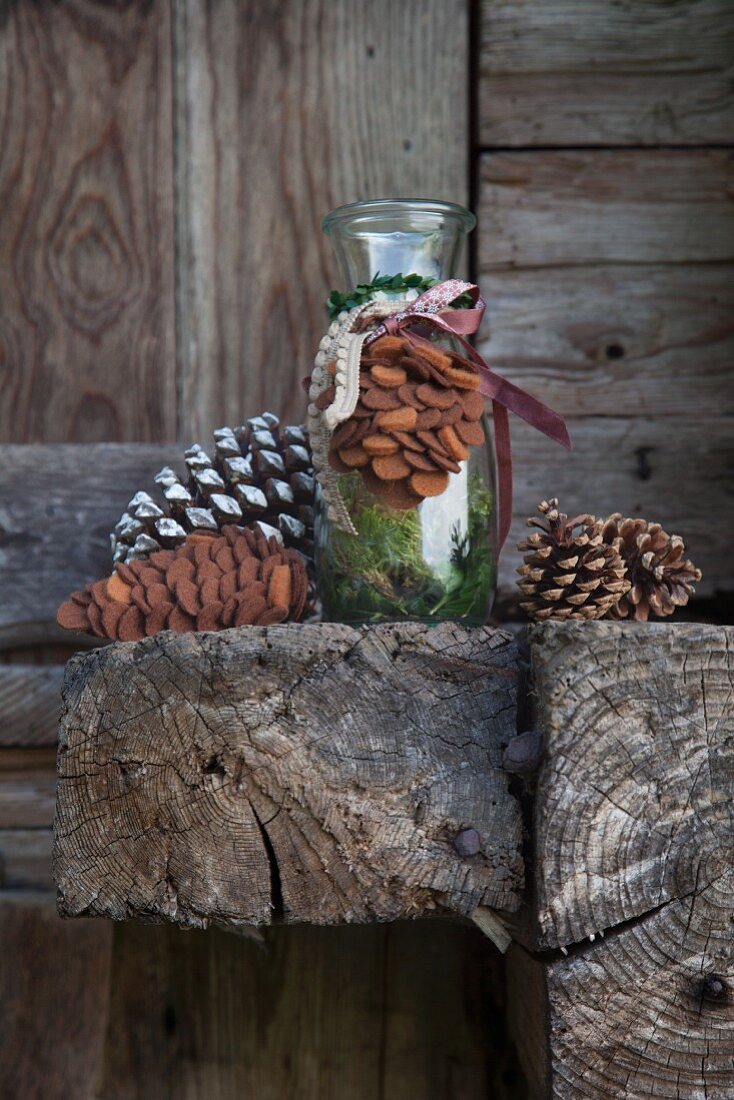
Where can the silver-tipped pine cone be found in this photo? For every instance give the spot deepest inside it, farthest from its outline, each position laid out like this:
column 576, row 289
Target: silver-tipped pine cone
column 569, row 570
column 661, row 579
column 259, row 473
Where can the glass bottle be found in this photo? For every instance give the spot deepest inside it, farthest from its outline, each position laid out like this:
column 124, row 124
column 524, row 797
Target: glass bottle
column 437, row 561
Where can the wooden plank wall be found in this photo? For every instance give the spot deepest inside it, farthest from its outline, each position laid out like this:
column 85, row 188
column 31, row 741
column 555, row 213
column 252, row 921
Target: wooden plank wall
column 163, row 171
column 606, row 250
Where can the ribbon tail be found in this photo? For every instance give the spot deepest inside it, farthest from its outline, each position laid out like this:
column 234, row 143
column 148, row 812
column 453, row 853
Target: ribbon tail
column 524, row 405
column 503, row 451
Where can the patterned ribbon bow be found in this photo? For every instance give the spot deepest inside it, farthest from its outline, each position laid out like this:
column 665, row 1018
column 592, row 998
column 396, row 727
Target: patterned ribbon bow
column 432, row 310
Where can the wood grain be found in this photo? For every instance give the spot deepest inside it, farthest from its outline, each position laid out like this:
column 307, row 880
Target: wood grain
column 30, row 704
column 86, row 223
column 634, row 825
column 676, row 471
column 58, row 504
column 543, row 209
column 284, row 111
column 618, row 339
column 27, row 788
column 54, row 987
column 361, row 1012
column 326, row 786
column 25, row 860
column 596, row 72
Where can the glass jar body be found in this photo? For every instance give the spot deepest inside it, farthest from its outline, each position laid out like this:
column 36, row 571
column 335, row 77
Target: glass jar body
column 436, row 561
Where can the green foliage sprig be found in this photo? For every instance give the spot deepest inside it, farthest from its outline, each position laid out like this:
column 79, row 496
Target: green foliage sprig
column 394, row 284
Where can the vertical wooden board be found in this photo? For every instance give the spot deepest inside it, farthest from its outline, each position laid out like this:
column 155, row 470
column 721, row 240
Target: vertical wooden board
column 284, row 111
column 599, row 72
column 546, row 208
column 54, row 988
column 312, row 1012
column 25, row 859
column 86, row 223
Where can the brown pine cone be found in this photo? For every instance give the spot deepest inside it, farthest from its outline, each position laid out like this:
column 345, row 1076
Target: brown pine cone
column 661, row 579
column 417, row 415
column 570, row 572
column 208, row 583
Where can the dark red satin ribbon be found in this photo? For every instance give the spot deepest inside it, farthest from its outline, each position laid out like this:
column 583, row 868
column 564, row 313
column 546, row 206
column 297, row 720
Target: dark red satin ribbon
column 504, row 395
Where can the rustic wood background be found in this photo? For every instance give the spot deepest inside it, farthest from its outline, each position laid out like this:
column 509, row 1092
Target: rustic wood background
column 163, row 171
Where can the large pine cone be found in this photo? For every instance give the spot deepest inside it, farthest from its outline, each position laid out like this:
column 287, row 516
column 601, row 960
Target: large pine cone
column 417, row 415
column 260, row 472
column 209, row 583
column 661, row 579
column 570, row 572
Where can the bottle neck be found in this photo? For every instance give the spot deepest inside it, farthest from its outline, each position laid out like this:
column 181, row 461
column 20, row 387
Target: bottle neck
column 395, row 236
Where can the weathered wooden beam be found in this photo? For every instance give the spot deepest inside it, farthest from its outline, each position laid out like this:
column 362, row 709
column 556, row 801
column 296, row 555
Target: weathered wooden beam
column 297, row 773
column 633, row 863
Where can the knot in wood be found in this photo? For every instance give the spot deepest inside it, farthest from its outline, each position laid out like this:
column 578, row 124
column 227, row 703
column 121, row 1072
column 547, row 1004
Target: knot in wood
column 715, row 989
column 467, row 842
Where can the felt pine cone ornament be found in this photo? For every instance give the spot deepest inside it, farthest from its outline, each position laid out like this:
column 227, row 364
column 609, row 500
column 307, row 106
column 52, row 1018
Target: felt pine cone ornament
column 417, row 415
column 237, row 578
column 660, row 578
column 569, row 570
column 259, row 472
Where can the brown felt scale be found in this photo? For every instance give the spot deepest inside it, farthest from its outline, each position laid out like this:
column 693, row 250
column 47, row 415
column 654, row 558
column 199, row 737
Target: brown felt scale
column 417, row 416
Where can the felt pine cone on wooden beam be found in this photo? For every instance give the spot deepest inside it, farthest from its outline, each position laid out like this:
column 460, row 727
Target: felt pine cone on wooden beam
column 660, row 578
column 569, row 570
column 417, row 415
column 239, row 578
column 260, row 472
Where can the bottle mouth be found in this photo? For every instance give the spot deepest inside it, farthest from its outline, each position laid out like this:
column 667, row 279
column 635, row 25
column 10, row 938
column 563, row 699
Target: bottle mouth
column 388, row 215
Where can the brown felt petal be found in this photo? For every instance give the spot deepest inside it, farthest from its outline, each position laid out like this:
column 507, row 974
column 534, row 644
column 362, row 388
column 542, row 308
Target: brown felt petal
column 344, row 434
column 231, row 533
column 111, row 616
column 118, row 590
column 95, row 620
column 391, row 377
column 157, row 620
column 72, row 617
column 131, row 625
column 336, row 463
column 380, row 444
column 225, row 560
column 420, row 462
column 228, row 585
column 248, row 571
column 179, row 621
column 82, row 598
column 470, row 432
column 354, row 456
column 387, row 346
column 187, row 596
column 391, row 467
column 434, row 356
column 210, row 616
column 228, row 611
column 202, row 551
column 429, row 485
column 140, row 599
column 408, row 396
column 452, row 444
column 156, row 595
column 415, row 367
column 452, row 415
column 150, row 576
column 441, row 459
column 464, row 379
column 378, row 399
column 279, row 588
column 408, row 441
column 161, row 559
column 126, row 573
column 241, row 550
column 400, row 420
column 299, row 590
column 434, row 397
column 473, row 404
column 399, row 495
column 208, row 570
column 209, row 591
column 179, row 567
column 98, row 592
column 248, row 611
column 272, row 616
column 429, row 418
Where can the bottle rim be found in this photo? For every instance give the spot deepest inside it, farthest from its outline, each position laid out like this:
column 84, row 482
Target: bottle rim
column 354, row 211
